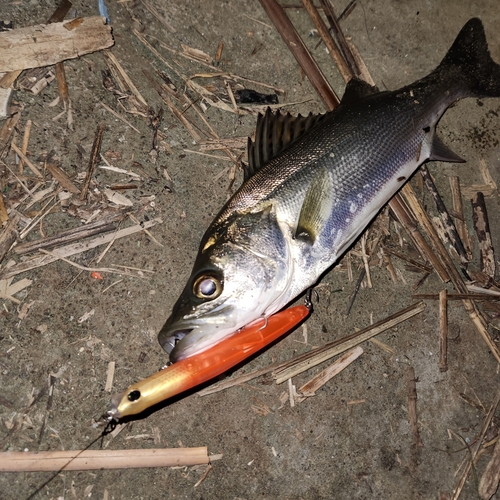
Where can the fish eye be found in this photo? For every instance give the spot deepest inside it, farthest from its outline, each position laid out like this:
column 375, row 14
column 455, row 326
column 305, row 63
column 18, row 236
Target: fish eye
column 207, row 287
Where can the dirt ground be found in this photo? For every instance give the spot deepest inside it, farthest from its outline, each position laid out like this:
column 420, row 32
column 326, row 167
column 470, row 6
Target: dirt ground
column 353, row 439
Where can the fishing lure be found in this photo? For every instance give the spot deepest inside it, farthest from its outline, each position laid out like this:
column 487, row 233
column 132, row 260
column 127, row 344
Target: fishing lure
column 192, row 371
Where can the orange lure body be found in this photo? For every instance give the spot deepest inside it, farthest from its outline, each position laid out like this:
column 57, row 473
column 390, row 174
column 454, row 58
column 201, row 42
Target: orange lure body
column 190, row 372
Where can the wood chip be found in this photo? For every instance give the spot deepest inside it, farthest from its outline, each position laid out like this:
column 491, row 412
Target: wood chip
column 110, row 373
column 61, row 177
column 117, row 198
column 47, row 44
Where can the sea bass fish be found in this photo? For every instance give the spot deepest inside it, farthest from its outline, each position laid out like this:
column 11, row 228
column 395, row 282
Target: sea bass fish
column 311, row 187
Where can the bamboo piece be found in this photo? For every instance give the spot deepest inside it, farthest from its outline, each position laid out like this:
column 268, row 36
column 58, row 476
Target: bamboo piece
column 300, row 52
column 443, row 330
column 314, row 357
column 411, row 386
column 12, row 461
column 392, row 320
column 309, row 388
column 482, row 227
column 94, row 159
column 459, row 209
column 444, row 216
column 47, row 44
column 75, row 248
column 328, row 40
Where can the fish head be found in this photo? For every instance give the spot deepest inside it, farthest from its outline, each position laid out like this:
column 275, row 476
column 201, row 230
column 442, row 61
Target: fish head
column 240, row 271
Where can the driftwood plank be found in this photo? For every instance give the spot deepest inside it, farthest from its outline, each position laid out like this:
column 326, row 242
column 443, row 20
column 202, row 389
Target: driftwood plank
column 47, row 44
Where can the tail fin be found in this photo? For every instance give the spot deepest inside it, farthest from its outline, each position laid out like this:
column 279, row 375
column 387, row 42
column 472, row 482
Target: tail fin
column 470, row 58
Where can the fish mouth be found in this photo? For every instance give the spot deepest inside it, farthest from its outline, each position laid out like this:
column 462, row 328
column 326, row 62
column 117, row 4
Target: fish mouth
column 169, row 340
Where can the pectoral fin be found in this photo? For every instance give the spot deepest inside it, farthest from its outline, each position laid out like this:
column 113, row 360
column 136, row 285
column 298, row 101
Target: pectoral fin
column 317, row 207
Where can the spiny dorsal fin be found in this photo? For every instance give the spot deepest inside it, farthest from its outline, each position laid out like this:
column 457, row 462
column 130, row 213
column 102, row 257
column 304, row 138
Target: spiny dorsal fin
column 274, row 132
column 356, row 89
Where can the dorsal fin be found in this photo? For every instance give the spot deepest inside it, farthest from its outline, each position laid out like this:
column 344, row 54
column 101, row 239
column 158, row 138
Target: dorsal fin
column 356, row 89
column 274, row 132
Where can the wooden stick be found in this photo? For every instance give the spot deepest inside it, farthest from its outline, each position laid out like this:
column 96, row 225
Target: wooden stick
column 443, row 331
column 94, row 159
column 482, row 227
column 299, row 50
column 411, row 386
column 328, row 40
column 101, row 459
column 314, row 357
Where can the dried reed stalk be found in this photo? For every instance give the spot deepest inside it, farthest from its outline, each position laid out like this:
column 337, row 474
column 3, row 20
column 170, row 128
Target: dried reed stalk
column 411, row 387
column 458, row 207
column 482, row 227
column 299, row 50
column 443, row 330
column 314, row 357
column 94, row 160
column 328, row 40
